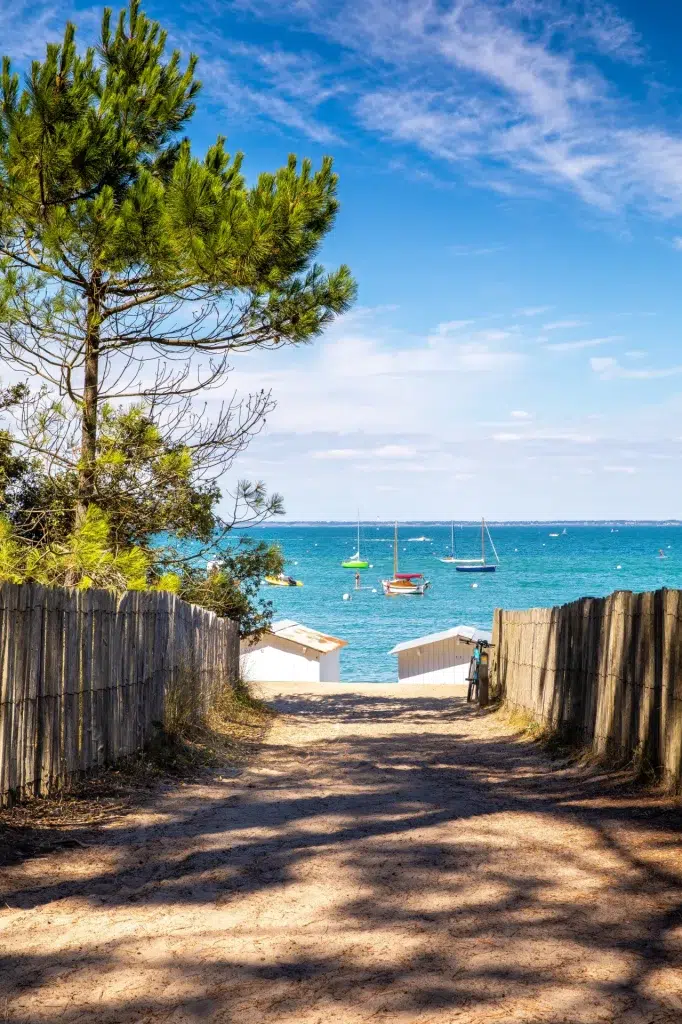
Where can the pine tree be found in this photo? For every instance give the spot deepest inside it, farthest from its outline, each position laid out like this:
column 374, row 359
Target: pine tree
column 130, row 268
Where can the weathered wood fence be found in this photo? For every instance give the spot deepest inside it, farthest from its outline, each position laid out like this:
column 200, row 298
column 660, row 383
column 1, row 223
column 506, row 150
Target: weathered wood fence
column 604, row 672
column 84, row 676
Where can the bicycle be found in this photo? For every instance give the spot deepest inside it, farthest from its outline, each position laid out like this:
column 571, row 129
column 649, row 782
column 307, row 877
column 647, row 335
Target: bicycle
column 479, row 656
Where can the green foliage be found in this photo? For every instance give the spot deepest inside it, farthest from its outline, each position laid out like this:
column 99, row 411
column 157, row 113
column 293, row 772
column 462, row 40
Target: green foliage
column 84, row 560
column 131, row 269
column 118, row 243
column 12, row 555
column 145, row 483
column 232, row 589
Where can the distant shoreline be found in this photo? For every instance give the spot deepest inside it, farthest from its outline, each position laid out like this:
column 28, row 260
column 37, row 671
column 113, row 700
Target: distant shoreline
column 575, row 523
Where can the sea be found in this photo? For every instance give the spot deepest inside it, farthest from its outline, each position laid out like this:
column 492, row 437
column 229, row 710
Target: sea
column 541, row 564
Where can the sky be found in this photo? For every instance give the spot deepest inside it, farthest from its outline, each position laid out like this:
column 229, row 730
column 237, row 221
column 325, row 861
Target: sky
column 511, row 206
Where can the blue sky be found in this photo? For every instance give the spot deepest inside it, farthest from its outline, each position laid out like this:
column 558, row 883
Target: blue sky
column 511, row 187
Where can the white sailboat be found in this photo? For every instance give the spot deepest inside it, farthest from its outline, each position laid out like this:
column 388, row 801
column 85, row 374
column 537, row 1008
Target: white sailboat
column 405, row 583
column 452, row 558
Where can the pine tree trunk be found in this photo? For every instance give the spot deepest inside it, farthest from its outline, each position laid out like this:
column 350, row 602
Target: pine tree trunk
column 86, row 478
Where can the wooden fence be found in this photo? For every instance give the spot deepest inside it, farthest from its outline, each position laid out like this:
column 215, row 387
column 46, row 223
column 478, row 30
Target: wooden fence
column 84, row 676
column 604, row 672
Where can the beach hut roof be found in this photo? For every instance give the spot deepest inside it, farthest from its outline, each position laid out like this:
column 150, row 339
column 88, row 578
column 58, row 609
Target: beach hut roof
column 293, row 631
column 468, row 633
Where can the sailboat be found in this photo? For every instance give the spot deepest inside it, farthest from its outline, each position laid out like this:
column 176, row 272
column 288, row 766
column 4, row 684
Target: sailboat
column 356, row 561
column 403, row 582
column 451, row 557
column 479, row 564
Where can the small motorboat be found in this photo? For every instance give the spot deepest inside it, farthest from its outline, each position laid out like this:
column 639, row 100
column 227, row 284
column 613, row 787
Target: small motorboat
column 403, row 583
column 283, row 581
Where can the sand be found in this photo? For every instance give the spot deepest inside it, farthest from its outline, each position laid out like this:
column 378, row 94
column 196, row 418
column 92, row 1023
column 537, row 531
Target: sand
column 392, row 854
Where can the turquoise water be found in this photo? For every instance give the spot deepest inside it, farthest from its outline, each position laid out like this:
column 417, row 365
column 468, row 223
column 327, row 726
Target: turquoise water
column 535, row 569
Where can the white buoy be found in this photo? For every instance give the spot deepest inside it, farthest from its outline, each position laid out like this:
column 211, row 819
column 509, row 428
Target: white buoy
column 516, row 549
column 374, row 590
column 619, row 567
column 346, row 597
column 474, row 584
column 371, row 566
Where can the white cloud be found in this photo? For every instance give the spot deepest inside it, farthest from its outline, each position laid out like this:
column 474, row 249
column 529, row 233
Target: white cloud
column 519, row 414
column 280, row 87
column 561, row 324
column 26, row 28
column 514, row 93
column 364, row 376
column 571, row 437
column 386, row 451
column 492, row 335
column 609, row 368
column 677, row 242
column 568, row 346
column 338, row 453
column 449, row 327
column 394, row 451
column 532, row 310
column 629, row 470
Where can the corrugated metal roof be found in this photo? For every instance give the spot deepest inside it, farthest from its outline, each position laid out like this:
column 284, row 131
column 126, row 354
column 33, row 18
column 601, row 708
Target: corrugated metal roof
column 288, row 629
column 469, row 633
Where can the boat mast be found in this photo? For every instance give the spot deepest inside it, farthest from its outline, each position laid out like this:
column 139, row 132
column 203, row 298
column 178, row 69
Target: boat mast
column 483, row 541
column 395, row 551
column 492, row 544
column 358, row 533
column 452, row 538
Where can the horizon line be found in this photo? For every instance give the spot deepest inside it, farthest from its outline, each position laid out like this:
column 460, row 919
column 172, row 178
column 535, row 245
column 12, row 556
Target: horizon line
column 468, row 522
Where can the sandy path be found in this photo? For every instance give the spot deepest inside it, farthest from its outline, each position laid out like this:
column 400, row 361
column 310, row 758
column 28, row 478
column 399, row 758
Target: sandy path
column 387, row 858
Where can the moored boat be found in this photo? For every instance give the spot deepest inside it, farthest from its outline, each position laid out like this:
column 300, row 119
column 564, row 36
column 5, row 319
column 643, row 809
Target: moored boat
column 283, row 581
column 479, row 564
column 356, row 561
column 403, row 583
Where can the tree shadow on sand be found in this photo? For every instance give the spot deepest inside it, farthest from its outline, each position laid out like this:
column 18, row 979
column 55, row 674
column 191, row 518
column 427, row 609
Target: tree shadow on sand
column 458, row 875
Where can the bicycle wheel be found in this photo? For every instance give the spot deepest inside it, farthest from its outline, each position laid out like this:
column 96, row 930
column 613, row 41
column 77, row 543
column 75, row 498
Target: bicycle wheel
column 472, row 691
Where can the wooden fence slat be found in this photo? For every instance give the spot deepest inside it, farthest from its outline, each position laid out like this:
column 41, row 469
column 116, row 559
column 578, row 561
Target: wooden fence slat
column 606, row 670
column 72, row 685
column 11, row 710
column 84, row 676
column 6, row 691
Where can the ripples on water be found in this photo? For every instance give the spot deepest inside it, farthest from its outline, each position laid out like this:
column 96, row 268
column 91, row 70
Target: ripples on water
column 536, row 570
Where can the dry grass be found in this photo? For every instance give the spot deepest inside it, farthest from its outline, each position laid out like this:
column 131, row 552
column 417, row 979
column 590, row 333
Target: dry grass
column 637, row 769
column 185, row 750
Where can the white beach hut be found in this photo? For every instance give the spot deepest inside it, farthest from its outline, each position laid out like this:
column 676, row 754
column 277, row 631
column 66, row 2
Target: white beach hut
column 291, row 653
column 439, row 657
